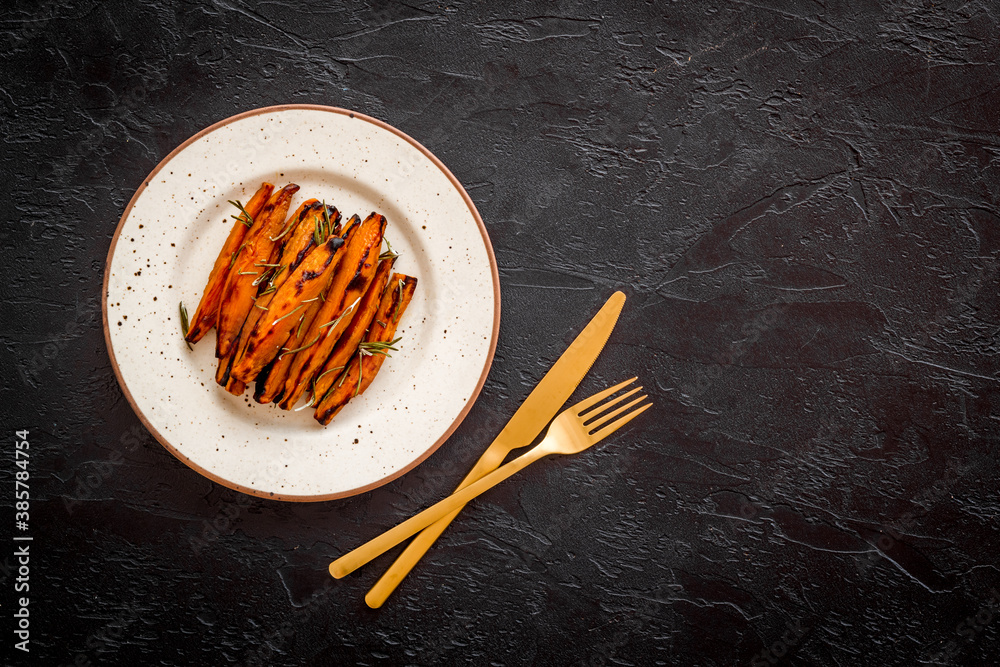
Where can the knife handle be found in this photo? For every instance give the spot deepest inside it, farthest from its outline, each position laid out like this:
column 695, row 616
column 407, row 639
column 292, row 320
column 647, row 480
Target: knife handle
column 373, row 548
column 416, row 549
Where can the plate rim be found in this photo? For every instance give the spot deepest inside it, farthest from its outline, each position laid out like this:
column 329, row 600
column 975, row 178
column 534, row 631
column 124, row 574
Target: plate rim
column 494, row 272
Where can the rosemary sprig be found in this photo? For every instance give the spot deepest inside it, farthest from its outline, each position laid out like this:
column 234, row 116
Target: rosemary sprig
column 395, row 316
column 292, row 312
column 388, row 254
column 326, row 219
column 184, row 324
column 370, row 348
column 322, row 231
column 244, row 217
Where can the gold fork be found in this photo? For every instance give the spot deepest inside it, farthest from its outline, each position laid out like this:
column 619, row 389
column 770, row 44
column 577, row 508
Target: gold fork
column 573, row 431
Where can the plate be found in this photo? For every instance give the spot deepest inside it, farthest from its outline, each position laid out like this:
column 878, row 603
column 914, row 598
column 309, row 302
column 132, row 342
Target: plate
column 167, row 241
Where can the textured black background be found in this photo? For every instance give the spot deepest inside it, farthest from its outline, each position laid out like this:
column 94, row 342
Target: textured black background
column 800, row 199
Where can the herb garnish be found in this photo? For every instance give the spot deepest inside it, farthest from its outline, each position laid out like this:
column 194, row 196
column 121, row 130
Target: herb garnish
column 236, row 254
column 244, row 217
column 184, row 324
column 294, row 310
column 285, row 351
column 326, row 219
column 388, row 254
column 334, row 322
column 373, row 347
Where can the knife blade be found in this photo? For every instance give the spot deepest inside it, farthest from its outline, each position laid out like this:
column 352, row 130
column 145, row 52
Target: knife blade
column 534, row 414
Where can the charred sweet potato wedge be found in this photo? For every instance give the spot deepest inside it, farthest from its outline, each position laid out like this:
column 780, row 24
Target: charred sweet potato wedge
column 277, row 373
column 302, row 287
column 241, row 288
column 208, row 308
column 365, row 364
column 350, row 282
column 222, row 372
column 348, row 342
column 300, row 236
column 235, row 387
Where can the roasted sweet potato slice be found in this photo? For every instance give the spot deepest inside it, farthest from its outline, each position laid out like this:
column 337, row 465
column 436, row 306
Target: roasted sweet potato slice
column 300, row 236
column 274, row 383
column 235, row 387
column 302, row 287
column 222, row 372
column 208, row 309
column 365, row 364
column 350, row 282
column 238, row 295
column 347, row 344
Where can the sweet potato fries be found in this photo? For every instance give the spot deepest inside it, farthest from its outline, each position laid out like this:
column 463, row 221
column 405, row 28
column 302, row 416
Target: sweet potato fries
column 301, row 306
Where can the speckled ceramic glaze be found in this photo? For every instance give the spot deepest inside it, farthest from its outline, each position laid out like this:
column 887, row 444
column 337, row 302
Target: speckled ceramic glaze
column 166, row 244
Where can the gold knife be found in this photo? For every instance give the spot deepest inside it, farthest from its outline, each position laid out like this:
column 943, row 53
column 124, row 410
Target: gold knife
column 537, row 410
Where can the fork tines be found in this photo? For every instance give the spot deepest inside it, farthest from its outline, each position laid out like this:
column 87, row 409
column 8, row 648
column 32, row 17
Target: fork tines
column 601, row 412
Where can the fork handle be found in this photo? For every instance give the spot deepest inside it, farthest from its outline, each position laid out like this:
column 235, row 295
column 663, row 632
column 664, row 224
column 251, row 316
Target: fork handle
column 416, row 549
column 351, row 561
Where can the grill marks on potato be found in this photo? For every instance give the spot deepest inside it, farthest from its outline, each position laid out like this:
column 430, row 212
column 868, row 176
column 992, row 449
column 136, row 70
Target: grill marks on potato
column 208, row 308
column 301, row 305
column 362, row 369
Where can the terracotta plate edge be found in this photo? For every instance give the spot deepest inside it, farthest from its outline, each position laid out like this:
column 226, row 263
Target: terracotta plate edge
column 494, row 271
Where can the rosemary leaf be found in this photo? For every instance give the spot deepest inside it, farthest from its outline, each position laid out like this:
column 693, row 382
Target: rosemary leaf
column 185, row 324
column 369, row 348
column 291, row 223
column 293, row 311
column 334, row 322
column 388, row 254
column 299, row 349
column 335, row 368
column 236, row 254
column 277, row 273
column 360, row 366
column 244, row 217
column 326, row 219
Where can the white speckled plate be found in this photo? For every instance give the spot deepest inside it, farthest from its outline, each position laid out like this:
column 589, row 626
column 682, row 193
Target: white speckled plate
column 169, row 237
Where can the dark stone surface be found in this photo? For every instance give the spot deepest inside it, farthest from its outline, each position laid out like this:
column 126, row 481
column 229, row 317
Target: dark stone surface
column 800, row 199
